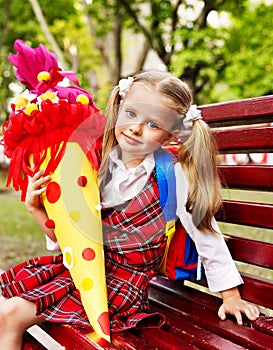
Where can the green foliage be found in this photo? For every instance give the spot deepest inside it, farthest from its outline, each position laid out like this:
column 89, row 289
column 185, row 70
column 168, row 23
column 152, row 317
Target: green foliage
column 250, row 54
column 220, row 62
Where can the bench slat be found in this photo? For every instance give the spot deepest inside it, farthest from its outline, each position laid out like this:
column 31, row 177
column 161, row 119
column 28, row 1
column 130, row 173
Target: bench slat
column 252, row 110
column 73, row 338
column 244, row 213
column 206, row 318
column 251, row 251
column 134, row 340
column 258, row 177
column 253, row 139
column 194, row 334
column 257, row 290
column 30, row 343
column 166, row 340
column 201, row 337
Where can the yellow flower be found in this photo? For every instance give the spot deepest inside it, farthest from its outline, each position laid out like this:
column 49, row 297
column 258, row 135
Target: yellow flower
column 43, row 76
column 20, row 101
column 49, row 95
column 83, row 99
column 30, row 108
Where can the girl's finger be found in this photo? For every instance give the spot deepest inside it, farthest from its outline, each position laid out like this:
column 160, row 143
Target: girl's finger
column 38, row 174
column 238, row 317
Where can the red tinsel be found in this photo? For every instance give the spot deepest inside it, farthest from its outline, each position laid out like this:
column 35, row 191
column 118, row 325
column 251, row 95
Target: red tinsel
column 49, row 130
column 52, row 123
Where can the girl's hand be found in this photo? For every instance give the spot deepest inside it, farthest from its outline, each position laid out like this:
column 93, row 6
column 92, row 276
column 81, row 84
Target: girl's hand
column 36, row 187
column 234, row 305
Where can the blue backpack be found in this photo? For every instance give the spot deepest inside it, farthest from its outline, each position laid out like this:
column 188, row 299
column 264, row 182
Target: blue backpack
column 181, row 259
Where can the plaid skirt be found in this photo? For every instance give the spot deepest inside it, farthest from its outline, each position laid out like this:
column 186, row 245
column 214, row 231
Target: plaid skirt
column 134, row 243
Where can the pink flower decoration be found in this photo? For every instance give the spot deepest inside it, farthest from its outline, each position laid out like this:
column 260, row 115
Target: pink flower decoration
column 29, row 62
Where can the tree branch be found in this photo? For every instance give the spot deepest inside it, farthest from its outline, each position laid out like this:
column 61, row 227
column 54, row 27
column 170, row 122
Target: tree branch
column 41, row 19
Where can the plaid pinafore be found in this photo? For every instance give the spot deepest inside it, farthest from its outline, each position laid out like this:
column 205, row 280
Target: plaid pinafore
column 134, row 237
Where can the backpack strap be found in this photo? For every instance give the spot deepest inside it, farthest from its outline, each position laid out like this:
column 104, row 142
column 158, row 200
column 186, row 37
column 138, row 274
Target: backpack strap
column 167, row 196
column 166, row 183
column 164, row 165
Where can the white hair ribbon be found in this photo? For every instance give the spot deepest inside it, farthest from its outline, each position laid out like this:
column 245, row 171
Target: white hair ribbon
column 192, row 115
column 124, row 85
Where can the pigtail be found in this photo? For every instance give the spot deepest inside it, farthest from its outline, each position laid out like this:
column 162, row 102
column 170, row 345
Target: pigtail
column 198, row 158
column 109, row 139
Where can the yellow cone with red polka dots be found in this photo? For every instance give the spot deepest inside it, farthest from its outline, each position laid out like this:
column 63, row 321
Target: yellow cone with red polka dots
column 72, row 202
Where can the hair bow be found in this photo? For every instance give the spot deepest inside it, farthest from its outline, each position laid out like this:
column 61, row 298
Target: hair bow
column 124, row 85
column 192, row 115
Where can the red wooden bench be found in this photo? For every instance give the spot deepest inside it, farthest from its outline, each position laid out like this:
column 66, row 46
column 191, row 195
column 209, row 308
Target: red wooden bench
column 192, row 322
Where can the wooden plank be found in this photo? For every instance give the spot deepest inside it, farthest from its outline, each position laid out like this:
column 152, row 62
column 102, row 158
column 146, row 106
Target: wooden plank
column 245, row 213
column 135, row 339
column 182, row 305
column 257, row 290
column 29, row 343
column 200, row 337
column 43, row 338
column 251, row 251
column 253, row 177
column 252, row 110
column 73, row 338
column 165, row 340
column 264, row 324
column 245, row 140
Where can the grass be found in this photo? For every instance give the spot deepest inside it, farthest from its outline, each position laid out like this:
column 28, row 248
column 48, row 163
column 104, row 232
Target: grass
column 20, row 236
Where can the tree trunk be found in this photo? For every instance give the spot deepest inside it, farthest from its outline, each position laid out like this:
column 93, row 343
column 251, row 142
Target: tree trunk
column 42, row 22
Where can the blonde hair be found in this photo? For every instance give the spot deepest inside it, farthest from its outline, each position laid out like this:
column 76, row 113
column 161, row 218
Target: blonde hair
column 197, row 155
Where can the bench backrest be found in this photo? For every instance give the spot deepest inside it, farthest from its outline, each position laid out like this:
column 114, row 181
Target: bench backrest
column 247, row 221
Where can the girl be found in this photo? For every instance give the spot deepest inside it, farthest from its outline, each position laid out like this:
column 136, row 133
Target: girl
column 144, row 113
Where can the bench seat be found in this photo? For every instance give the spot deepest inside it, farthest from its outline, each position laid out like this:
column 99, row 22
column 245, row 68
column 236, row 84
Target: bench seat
column 243, row 126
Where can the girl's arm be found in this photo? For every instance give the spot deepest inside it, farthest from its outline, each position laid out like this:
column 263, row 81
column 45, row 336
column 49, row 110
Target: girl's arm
column 221, row 272
column 36, row 187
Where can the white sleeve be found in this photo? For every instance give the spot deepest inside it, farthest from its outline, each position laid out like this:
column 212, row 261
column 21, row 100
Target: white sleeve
column 220, row 269
column 50, row 245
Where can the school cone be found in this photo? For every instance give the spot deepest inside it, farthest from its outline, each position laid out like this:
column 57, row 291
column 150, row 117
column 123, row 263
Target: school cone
column 58, row 127
column 72, row 202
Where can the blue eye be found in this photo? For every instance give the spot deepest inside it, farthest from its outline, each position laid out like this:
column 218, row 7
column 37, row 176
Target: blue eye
column 152, row 125
column 131, row 114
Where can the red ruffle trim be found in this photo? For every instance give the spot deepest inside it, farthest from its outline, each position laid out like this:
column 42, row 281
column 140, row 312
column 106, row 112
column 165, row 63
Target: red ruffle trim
column 49, row 130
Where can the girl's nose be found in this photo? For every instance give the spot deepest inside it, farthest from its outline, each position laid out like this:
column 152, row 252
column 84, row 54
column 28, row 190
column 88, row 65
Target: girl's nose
column 135, row 128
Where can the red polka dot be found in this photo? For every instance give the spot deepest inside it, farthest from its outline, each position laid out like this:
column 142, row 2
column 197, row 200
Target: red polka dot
column 103, row 320
column 82, row 181
column 53, row 192
column 50, row 223
column 88, row 254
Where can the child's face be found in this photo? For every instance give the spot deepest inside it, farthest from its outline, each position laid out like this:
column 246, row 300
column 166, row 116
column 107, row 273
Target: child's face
column 143, row 124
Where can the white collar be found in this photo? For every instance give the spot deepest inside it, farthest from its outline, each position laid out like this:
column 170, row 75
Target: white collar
column 148, row 162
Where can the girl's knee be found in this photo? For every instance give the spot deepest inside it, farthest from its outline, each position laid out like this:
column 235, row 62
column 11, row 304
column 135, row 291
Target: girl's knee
column 12, row 312
column 7, row 313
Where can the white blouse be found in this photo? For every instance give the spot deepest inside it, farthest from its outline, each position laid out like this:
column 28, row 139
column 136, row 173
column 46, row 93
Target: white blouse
column 220, row 269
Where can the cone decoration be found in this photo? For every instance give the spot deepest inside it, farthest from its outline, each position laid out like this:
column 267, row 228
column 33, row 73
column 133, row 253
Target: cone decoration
column 59, row 129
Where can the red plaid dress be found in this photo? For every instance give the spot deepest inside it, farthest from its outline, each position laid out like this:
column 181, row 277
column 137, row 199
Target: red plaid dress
column 134, row 236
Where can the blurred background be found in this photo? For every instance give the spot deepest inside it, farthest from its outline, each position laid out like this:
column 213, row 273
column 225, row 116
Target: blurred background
column 223, row 49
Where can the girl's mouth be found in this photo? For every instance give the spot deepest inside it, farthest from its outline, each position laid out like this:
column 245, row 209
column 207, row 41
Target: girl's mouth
column 131, row 140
